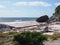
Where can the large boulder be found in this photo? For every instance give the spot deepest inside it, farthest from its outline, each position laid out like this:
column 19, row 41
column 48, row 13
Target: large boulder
column 44, row 18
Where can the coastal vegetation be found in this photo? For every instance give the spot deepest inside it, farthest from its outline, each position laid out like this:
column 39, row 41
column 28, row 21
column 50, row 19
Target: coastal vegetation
column 56, row 15
column 30, row 38
column 7, row 38
column 57, row 10
column 14, row 38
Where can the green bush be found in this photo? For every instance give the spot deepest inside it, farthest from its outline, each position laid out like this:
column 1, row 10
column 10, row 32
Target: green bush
column 30, row 38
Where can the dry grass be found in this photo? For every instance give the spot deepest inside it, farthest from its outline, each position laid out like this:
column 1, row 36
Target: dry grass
column 55, row 36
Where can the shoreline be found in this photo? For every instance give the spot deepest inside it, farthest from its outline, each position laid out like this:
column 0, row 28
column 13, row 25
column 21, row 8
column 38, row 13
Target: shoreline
column 20, row 23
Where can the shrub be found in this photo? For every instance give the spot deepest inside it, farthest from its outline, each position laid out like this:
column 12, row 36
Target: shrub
column 30, row 38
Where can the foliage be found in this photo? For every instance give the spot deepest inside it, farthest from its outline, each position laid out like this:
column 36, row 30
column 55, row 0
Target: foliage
column 44, row 18
column 56, row 14
column 57, row 9
column 30, row 38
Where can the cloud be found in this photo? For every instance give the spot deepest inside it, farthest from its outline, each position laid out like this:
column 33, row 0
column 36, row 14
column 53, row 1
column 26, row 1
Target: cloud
column 2, row 6
column 57, row 3
column 9, row 13
column 36, row 3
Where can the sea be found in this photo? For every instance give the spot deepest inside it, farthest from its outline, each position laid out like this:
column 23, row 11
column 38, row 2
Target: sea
column 14, row 19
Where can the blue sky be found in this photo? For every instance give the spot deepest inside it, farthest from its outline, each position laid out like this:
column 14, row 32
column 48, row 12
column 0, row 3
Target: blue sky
column 27, row 8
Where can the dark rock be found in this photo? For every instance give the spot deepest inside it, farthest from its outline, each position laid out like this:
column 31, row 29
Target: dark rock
column 44, row 18
column 46, row 29
column 5, row 26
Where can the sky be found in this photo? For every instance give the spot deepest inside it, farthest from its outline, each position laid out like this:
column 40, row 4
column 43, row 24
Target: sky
column 27, row 8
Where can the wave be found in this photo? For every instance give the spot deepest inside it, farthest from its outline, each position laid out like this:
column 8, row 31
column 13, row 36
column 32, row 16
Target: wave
column 16, row 19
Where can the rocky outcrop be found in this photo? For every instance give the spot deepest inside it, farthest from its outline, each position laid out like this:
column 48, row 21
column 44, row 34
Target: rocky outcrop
column 5, row 27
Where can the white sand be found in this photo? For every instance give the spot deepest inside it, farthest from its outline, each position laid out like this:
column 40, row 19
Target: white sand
column 55, row 27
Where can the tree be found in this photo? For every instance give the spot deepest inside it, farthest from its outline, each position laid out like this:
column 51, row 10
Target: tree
column 57, row 10
column 30, row 38
column 56, row 15
column 44, row 18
